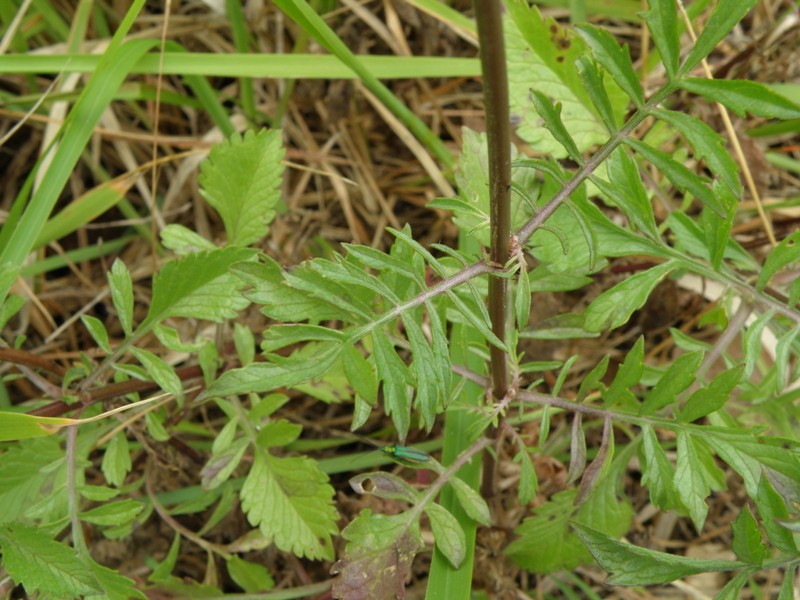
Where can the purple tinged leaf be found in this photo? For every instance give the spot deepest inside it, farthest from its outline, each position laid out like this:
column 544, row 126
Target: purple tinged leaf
column 577, row 450
column 599, row 466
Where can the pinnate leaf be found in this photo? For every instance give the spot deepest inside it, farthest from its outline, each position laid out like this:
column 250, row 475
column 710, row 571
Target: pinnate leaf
column 378, row 556
column 743, row 97
column 633, row 565
column 241, row 179
column 290, row 500
column 695, row 476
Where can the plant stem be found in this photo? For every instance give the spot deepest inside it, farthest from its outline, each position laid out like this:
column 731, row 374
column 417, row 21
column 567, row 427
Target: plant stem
column 488, row 16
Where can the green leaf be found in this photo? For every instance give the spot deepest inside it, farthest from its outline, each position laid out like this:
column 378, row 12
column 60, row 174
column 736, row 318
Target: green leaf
column 743, row 97
column 251, row 577
column 633, row 565
column 551, row 117
column 544, row 543
column 291, row 502
column 42, row 565
column 662, row 21
column 787, row 587
column 782, row 353
column 471, row 501
column 117, row 460
column 772, row 509
column 113, row 513
column 9, row 308
column 378, row 556
column 381, row 261
column 577, row 449
column 658, row 474
column 241, row 179
column 707, row 144
column 279, row 336
column 278, row 433
column 360, row 373
column 393, row 374
column 449, row 536
column 627, row 192
column 522, row 297
column 628, row 375
column 786, row 252
column 615, row 59
column 679, row 175
column 747, row 542
column 614, row 307
column 160, row 372
column 752, row 346
column 222, row 463
column 689, row 238
column 430, row 392
column 262, row 377
column 593, row 82
column 199, row 286
column 599, row 467
column 182, row 240
column 726, row 14
column 98, row 332
column 678, row 376
column 121, row 286
column 541, row 55
column 695, row 476
column 528, row 482
column 114, row 585
column 733, row 589
column 712, row 397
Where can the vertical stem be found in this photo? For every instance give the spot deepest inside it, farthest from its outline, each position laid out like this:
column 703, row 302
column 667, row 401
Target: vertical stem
column 488, row 14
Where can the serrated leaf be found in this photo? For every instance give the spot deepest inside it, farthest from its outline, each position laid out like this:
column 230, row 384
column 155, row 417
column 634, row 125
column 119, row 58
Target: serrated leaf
column 662, row 21
column 626, row 191
column 706, row 143
column 393, row 374
column 116, row 460
column 615, row 58
column 241, row 179
column 633, row 565
column 182, row 240
column 786, row 252
column 549, row 522
column 160, row 372
column 711, row 397
column 657, row 473
column 251, row 577
column 113, row 513
column 680, row 176
column 726, row 14
column 695, row 477
column 593, row 82
column 541, row 55
column 121, row 286
column 98, row 332
column 378, row 556
column 114, row 585
column 380, row 261
column 689, row 238
column 290, row 500
column 614, row 307
column 429, row 398
column 471, row 501
column 679, row 376
column 41, row 564
column 747, row 542
column 199, row 286
column 450, row 538
column 551, row 117
column 773, row 510
column 262, row 377
column 743, row 97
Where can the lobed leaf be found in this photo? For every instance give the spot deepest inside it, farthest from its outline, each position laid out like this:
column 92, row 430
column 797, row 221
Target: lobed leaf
column 593, row 82
column 551, row 116
column 658, row 474
column 615, row 59
column 695, row 476
column 291, row 502
column 393, row 375
column 241, row 179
